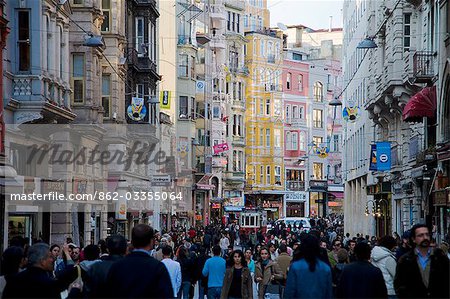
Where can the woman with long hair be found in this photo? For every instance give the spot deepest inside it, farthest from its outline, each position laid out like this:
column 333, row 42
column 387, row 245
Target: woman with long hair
column 237, row 282
column 308, row 276
column 267, row 272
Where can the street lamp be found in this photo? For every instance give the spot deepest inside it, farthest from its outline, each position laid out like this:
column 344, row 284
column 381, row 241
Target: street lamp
column 367, row 43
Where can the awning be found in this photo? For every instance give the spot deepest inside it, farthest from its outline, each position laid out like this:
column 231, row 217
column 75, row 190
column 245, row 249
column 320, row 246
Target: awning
column 203, row 183
column 334, row 204
column 337, row 195
column 422, row 104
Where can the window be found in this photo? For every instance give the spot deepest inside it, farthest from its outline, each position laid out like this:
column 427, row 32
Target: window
column 302, row 142
column 406, row 31
column 255, row 46
column 261, row 175
column 106, row 95
column 183, row 65
column 294, row 141
column 268, row 107
column 288, row 114
column 234, row 60
column 24, row 41
column 317, row 118
column 336, row 143
column 318, row 92
column 317, row 140
column 78, row 78
column 300, row 82
column 262, row 51
column 193, row 108
column 267, row 137
column 140, row 92
column 295, row 112
column 62, row 50
column 288, row 141
column 318, row 171
column 261, row 137
column 235, row 125
column 235, row 158
column 193, row 68
column 296, row 56
column 183, row 107
column 288, row 81
column 261, row 107
column 106, row 8
column 240, row 126
column 140, row 42
column 78, row 2
column 238, row 23
column 300, row 112
column 229, row 21
column 246, row 21
column 277, row 139
column 278, row 175
column 268, row 175
column 233, row 21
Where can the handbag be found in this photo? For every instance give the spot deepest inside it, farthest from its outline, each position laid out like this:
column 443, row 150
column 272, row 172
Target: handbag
column 273, row 289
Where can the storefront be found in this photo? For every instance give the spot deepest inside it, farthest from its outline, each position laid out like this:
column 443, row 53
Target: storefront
column 295, row 204
column 317, row 198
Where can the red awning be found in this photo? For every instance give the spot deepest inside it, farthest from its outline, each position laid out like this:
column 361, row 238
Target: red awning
column 422, row 104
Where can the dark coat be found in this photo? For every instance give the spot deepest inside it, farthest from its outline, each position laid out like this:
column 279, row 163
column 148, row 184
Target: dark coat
column 361, row 279
column 98, row 274
column 139, row 275
column 408, row 279
column 246, row 286
column 37, row 283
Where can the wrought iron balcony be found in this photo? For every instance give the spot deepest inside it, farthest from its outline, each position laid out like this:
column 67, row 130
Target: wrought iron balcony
column 295, row 186
column 140, row 61
column 423, row 66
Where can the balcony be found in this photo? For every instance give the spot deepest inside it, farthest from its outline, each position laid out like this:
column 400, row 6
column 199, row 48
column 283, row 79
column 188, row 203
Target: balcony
column 218, row 42
column 140, row 61
column 295, row 186
column 237, row 4
column 272, row 87
column 238, row 140
column 235, row 176
column 184, row 40
column 238, row 104
column 216, row 11
column 423, row 67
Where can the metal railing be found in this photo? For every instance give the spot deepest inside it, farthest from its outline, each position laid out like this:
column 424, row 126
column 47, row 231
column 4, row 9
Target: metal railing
column 423, row 68
column 295, row 186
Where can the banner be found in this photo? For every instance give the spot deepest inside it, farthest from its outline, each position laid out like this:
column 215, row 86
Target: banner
column 220, row 148
column 373, row 157
column 164, row 99
column 383, row 156
column 136, row 110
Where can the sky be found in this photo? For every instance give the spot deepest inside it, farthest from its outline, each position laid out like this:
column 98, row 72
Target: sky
column 312, row 13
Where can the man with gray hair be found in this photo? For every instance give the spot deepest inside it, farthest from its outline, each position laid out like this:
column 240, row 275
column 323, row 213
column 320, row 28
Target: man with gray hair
column 36, row 281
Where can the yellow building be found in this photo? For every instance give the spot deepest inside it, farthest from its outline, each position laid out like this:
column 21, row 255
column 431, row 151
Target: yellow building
column 264, row 123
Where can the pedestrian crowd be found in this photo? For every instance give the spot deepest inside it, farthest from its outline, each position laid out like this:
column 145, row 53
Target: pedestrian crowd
column 228, row 262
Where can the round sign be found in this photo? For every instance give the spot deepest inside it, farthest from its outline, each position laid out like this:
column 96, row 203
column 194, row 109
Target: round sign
column 383, row 158
column 200, row 85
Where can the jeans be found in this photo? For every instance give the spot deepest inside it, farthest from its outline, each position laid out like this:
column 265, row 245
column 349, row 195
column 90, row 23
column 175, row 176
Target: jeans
column 185, row 287
column 201, row 291
column 214, row 293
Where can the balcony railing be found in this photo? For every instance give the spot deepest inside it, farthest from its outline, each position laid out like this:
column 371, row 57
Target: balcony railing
column 184, row 39
column 140, row 61
column 423, row 68
column 295, row 186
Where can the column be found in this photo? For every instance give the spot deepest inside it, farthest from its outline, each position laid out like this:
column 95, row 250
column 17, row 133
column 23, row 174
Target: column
column 44, row 42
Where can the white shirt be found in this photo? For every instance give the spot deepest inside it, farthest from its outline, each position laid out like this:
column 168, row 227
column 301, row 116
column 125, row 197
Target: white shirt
column 224, row 243
column 174, row 270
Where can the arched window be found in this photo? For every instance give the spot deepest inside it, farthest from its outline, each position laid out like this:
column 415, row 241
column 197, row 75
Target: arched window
column 288, row 81
column 318, row 91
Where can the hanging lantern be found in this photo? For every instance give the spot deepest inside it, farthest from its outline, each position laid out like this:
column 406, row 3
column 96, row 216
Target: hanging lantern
column 351, row 114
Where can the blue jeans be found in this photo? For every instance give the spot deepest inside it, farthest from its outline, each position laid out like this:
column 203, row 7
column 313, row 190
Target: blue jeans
column 214, row 293
column 201, row 291
column 185, row 287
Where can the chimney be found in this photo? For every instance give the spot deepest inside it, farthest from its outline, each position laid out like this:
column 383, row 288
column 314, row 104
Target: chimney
column 331, row 23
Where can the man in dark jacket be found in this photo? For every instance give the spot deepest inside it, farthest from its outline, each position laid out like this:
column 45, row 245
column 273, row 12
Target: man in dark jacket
column 36, row 281
column 422, row 272
column 139, row 275
column 361, row 279
column 116, row 247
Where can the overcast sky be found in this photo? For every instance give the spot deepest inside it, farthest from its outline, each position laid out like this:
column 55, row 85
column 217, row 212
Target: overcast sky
column 312, row 13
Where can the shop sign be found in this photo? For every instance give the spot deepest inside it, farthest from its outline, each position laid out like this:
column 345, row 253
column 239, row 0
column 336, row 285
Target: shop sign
column 270, row 204
column 220, row 148
column 234, row 202
column 215, row 206
column 298, row 196
column 161, row 180
column 440, row 198
column 318, row 185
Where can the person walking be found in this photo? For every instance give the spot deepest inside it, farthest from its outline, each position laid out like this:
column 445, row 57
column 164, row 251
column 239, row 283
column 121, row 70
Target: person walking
column 13, row 258
column 138, row 274
column 383, row 258
column 116, row 246
column 214, row 269
column 237, row 282
column 267, row 272
column 202, row 281
column 308, row 276
column 361, row 279
column 336, row 272
column 332, row 254
column 187, row 266
column 250, row 262
column 173, row 268
column 224, row 243
column 422, row 272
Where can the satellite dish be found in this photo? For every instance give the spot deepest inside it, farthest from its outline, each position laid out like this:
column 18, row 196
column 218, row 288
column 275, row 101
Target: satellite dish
column 282, row 26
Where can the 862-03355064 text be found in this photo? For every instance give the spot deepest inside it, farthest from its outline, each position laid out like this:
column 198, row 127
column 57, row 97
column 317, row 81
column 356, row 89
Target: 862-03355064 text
column 98, row 195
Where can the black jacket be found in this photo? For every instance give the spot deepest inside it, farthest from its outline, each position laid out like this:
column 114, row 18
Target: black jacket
column 98, row 274
column 37, row 283
column 139, row 275
column 361, row 280
column 408, row 279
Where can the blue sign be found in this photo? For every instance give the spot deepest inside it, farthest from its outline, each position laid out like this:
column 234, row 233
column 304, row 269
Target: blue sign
column 373, row 157
column 383, row 153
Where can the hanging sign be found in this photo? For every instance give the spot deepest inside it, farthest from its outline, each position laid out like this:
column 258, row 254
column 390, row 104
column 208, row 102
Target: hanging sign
column 351, row 114
column 383, row 156
column 322, row 151
column 137, row 110
column 220, row 148
column 373, row 157
column 164, row 99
